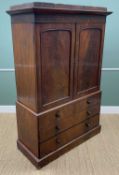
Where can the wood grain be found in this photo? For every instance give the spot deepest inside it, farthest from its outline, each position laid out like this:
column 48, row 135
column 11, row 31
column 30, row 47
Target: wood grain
column 25, row 65
column 27, row 129
column 55, row 45
column 44, row 8
column 89, row 41
column 63, row 118
column 57, row 61
column 67, row 136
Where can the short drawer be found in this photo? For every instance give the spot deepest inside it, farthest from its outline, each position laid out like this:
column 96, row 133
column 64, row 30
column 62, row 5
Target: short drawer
column 57, row 121
column 67, row 136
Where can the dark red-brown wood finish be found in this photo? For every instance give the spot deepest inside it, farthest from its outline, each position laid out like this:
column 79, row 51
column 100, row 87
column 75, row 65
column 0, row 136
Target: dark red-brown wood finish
column 58, row 55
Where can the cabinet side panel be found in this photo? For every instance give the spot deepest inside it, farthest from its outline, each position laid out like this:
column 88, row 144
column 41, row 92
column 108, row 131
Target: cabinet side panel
column 24, row 55
column 27, row 128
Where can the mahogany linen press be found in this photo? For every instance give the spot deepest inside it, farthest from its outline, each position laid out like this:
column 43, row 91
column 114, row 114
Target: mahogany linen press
column 58, row 55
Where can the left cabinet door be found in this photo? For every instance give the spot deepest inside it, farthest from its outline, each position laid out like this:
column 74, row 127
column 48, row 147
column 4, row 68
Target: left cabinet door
column 55, row 53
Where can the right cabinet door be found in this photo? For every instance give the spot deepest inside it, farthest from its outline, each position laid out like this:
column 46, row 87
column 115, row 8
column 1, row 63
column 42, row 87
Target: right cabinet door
column 88, row 56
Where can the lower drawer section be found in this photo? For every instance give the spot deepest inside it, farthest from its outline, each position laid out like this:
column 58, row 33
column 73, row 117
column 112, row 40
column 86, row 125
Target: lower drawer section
column 67, row 136
column 56, row 121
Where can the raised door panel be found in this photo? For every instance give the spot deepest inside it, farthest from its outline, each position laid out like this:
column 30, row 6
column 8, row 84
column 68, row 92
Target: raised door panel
column 88, row 58
column 56, row 61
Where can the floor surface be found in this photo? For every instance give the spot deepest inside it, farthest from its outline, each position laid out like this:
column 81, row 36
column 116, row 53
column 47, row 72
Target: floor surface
column 97, row 156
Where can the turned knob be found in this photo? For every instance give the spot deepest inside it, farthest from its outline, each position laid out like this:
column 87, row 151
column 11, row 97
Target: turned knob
column 88, row 101
column 57, row 115
column 87, row 125
column 89, row 113
column 57, row 128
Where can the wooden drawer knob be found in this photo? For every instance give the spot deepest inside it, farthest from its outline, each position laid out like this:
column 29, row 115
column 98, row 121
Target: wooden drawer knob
column 87, row 125
column 57, row 115
column 57, row 128
column 88, row 113
column 88, row 101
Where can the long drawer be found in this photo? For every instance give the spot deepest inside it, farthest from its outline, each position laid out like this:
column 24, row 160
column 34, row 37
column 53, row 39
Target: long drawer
column 67, row 136
column 54, row 122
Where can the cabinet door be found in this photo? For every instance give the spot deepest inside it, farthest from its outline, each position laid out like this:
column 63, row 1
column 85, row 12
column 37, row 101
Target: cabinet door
column 56, row 53
column 89, row 43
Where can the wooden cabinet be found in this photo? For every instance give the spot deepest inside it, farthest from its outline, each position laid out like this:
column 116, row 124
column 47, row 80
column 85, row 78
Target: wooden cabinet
column 58, row 55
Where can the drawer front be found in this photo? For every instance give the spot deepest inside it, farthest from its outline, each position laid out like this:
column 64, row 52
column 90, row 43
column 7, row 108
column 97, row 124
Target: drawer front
column 67, row 136
column 56, row 121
